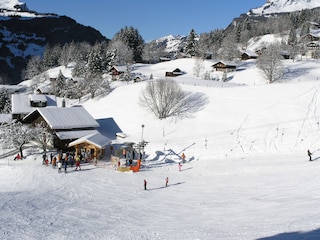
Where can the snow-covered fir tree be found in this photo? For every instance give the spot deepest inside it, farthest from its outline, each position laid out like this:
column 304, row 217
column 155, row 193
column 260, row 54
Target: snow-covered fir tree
column 191, row 45
column 5, row 103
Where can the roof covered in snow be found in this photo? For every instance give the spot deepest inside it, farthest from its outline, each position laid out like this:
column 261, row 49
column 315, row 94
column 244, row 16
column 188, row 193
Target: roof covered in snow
column 64, row 135
column 21, row 103
column 5, row 118
column 64, row 118
column 96, row 139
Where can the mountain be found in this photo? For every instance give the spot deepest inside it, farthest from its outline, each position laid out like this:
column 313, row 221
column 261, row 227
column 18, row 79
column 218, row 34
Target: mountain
column 281, row 6
column 13, row 5
column 25, row 33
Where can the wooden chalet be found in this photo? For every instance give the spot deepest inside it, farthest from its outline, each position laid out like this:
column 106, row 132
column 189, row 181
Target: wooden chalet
column 247, row 54
column 313, row 36
column 223, row 66
column 174, row 73
column 95, row 144
column 117, row 72
column 65, row 124
column 312, row 45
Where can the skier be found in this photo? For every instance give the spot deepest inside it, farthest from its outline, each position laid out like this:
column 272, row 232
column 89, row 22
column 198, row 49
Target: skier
column 145, row 184
column 183, row 157
column 167, row 180
column 309, row 154
column 59, row 166
column 65, row 165
column 179, row 166
column 78, row 163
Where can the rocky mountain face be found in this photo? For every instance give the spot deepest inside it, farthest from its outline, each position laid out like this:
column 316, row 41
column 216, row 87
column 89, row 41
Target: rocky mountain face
column 25, row 33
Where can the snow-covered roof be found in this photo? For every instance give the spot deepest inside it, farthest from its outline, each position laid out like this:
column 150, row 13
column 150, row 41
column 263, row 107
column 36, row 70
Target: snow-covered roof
column 315, row 33
column 64, row 135
column 227, row 63
column 38, row 98
column 121, row 68
column 5, row 118
column 65, row 118
column 21, row 102
column 250, row 53
column 96, row 139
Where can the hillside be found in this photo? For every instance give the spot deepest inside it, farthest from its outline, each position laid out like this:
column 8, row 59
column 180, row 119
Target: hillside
column 25, row 33
column 246, row 176
column 243, row 116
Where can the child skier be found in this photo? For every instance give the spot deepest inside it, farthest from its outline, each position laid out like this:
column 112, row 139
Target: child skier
column 78, row 163
column 59, row 166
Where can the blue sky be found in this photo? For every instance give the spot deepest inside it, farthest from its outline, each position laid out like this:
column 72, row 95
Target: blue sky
column 152, row 18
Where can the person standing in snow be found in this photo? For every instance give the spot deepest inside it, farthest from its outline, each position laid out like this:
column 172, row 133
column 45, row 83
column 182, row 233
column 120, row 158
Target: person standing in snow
column 179, row 166
column 145, row 184
column 59, row 166
column 65, row 165
column 78, row 163
column 51, row 158
column 54, row 162
column 309, row 154
column 167, row 180
column 183, row 157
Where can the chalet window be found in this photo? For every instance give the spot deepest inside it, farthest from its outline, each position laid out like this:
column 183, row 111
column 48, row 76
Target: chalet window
column 38, row 104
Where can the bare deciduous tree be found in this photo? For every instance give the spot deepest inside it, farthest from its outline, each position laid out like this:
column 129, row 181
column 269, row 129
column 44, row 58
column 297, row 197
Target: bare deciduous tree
column 269, row 62
column 42, row 136
column 16, row 135
column 165, row 98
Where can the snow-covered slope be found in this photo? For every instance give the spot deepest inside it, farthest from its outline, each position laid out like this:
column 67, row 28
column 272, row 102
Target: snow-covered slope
column 13, row 5
column 278, row 6
column 247, row 174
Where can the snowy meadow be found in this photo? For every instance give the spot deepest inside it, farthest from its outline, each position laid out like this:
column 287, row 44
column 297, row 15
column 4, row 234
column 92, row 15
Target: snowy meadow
column 246, row 176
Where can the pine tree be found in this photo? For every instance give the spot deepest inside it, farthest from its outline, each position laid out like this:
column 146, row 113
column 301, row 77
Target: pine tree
column 5, row 103
column 59, row 88
column 133, row 39
column 191, row 46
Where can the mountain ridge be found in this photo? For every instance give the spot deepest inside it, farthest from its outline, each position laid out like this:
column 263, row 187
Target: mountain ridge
column 281, row 6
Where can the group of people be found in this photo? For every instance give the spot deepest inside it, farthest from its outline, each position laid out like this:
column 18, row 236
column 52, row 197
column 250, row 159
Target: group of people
column 63, row 160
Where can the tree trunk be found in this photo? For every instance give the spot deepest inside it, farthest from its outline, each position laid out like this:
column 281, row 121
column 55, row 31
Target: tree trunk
column 21, row 153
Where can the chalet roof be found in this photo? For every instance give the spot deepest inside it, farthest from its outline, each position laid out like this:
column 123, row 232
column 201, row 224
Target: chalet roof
column 177, row 70
column 38, row 98
column 96, row 139
column 315, row 33
column 250, row 53
column 20, row 103
column 227, row 63
column 64, row 118
column 64, row 135
column 120, row 68
column 5, row 118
